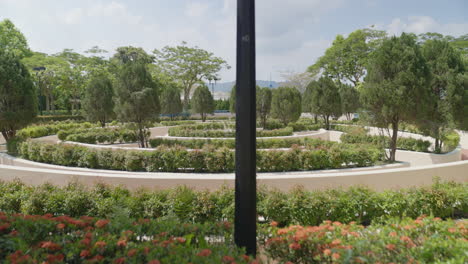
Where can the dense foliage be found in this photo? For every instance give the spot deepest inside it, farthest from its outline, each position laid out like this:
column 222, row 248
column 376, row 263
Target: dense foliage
column 202, row 102
column 52, row 128
column 402, row 143
column 98, row 135
column 210, row 159
column 286, row 104
column 323, row 99
column 98, row 103
column 299, row 206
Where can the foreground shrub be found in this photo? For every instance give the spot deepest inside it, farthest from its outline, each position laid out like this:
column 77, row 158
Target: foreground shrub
column 402, row 143
column 360, row 204
column 424, row 240
column 48, row 129
column 178, row 159
column 62, row 239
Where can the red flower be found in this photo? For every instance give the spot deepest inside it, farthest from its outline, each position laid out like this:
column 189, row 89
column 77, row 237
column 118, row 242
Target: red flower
column 228, row 259
column 60, row 226
column 274, row 224
column 122, row 243
column 53, row 258
column 4, row 227
column 13, row 233
column 101, row 223
column 50, row 245
column 154, row 261
column 245, row 257
column 390, row 247
column 85, row 253
column 132, row 252
column 336, row 256
column 327, row 252
column 204, row 253
column 181, row 240
column 295, row 246
column 119, row 261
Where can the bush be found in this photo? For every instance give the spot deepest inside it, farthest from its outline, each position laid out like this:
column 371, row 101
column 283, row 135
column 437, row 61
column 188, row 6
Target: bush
column 53, row 128
column 176, row 159
column 304, row 126
column 402, row 143
column 451, row 141
column 49, row 118
column 62, row 239
column 272, row 124
column 204, row 131
column 98, row 135
column 299, row 206
column 424, row 240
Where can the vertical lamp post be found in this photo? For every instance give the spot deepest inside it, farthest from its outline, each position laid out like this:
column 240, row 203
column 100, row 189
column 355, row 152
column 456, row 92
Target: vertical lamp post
column 245, row 222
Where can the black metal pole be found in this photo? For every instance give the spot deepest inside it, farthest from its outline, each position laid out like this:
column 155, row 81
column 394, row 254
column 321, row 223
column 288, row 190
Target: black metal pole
column 245, row 223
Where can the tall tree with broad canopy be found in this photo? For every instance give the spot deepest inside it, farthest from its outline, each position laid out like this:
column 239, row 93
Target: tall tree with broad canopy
column 395, row 86
column 324, row 99
column 347, row 58
column 170, row 102
column 12, row 40
column 137, row 98
column 98, row 103
column 286, row 104
column 446, row 89
column 202, row 102
column 189, row 66
column 18, row 101
column 264, row 96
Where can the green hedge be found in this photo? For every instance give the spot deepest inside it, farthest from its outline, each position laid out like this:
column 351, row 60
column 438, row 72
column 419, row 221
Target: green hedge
column 98, row 135
column 360, row 204
column 304, row 126
column 49, row 118
column 43, row 130
column 178, row 123
column 262, row 143
column 402, row 143
column 210, row 159
column 218, row 133
column 49, row 239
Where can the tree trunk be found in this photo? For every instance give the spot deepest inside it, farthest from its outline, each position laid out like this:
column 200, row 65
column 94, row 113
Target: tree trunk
column 438, row 141
column 264, row 119
column 103, row 123
column 393, row 142
column 141, row 136
column 8, row 134
column 326, row 118
column 315, row 119
column 47, row 103
column 186, row 98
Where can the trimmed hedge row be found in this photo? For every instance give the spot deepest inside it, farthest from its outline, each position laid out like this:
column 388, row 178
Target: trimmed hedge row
column 98, row 135
column 299, row 206
column 181, row 132
column 36, row 131
column 62, row 239
column 262, row 143
column 178, row 123
column 49, row 118
column 402, row 143
column 210, row 159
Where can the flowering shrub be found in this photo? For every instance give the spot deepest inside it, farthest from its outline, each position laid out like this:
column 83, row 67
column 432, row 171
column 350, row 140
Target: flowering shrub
column 209, row 159
column 62, row 239
column 360, row 204
column 424, row 240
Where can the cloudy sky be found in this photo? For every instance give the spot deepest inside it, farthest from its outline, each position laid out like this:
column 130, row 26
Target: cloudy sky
column 291, row 34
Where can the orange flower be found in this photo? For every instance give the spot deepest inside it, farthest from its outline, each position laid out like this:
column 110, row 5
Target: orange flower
column 327, row 252
column 228, row 259
column 85, row 253
column 295, row 246
column 119, row 261
column 336, row 256
column 181, row 240
column 101, row 223
column 122, row 243
column 336, row 223
column 274, row 224
column 100, row 244
column 204, row 253
column 154, row 261
column 437, row 219
column 132, row 252
column 452, row 230
column 60, row 226
column 336, row 242
column 390, row 247
column 50, row 245
column 393, row 234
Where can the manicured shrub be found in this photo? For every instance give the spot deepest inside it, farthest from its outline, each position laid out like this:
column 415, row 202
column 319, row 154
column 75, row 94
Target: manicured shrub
column 217, row 131
column 48, row 129
column 179, row 159
column 402, row 143
column 49, row 118
column 299, row 206
column 98, row 135
column 424, row 240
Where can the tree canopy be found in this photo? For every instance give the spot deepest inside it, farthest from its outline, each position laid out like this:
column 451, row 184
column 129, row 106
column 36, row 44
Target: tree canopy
column 18, row 101
column 98, row 103
column 324, row 99
column 286, row 104
column 263, row 104
column 202, row 101
column 189, row 66
column 170, row 102
column 12, row 40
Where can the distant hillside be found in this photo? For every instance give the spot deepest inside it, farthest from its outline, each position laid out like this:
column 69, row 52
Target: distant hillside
column 227, row 86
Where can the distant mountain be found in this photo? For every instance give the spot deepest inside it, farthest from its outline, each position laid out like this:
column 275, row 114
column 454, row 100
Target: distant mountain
column 227, row 86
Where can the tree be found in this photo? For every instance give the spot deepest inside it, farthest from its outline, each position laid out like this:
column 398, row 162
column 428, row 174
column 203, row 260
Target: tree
column 12, row 40
column 137, row 98
column 264, row 96
column 98, row 102
column 446, row 89
column 170, row 102
column 232, row 100
column 346, row 59
column 394, row 89
column 286, row 104
column 325, row 99
column 189, row 65
column 349, row 100
column 202, row 101
column 297, row 80
column 18, row 101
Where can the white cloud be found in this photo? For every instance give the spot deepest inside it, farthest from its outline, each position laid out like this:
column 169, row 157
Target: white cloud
column 115, row 11
column 423, row 24
column 196, row 9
